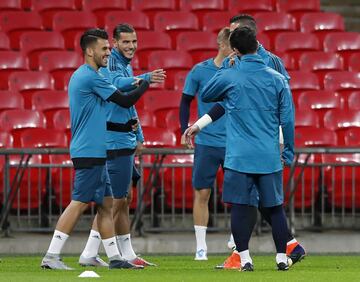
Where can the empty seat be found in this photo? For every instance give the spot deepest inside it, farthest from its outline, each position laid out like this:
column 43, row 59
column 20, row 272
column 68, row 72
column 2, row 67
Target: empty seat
column 200, row 7
column 4, row 41
column 342, row 80
column 6, row 140
column 289, row 61
column 138, row 20
column 101, row 8
column 43, row 138
column 174, row 22
column 215, row 21
column 197, row 58
column 29, row 82
column 161, row 99
column 146, row 117
column 354, row 62
column 15, row 23
column 180, row 77
column 296, row 42
column 298, row 8
column 10, row 5
column 321, row 23
column 250, row 6
column 61, row 119
column 264, row 40
column 302, row 81
column 306, row 118
column 47, row 9
column 273, row 23
column 340, row 121
column 170, row 119
column 11, row 100
column 11, row 61
column 147, row 44
column 171, row 61
column 354, row 100
column 315, row 137
column 158, row 137
column 352, row 137
column 155, row 5
column 71, row 22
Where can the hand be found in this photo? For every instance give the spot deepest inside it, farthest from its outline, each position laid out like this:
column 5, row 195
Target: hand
column 157, row 76
column 189, row 134
column 139, row 147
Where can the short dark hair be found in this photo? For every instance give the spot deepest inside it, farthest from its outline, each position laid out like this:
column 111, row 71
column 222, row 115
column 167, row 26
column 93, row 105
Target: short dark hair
column 244, row 40
column 90, row 36
column 244, row 19
column 123, row 27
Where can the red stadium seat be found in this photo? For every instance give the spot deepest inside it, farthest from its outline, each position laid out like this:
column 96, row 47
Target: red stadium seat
column 302, row 81
column 296, row 42
column 11, row 100
column 42, row 138
column 179, row 79
column 215, row 21
column 15, row 23
column 340, row 121
column 321, row 63
column 196, row 42
column 288, row 60
column 69, row 23
column 100, row 8
column 158, row 137
column 175, row 22
column 138, row 20
column 11, row 61
column 58, row 64
column 171, row 61
column 6, row 140
column 161, row 99
column 146, row 117
column 274, row 23
column 4, row 41
column 10, row 5
column 352, row 137
column 320, row 101
column 315, row 137
column 47, row 9
column 200, row 7
column 321, row 23
column 28, row 82
column 342, row 81
column 250, row 7
column 49, row 102
column 306, row 118
column 147, row 44
column 354, row 100
column 197, row 58
column 298, row 8
column 15, row 121
column 34, row 42
column 61, row 119
column 170, row 119
column 354, row 62
column 264, row 40
column 342, row 181
column 345, row 43
column 152, row 7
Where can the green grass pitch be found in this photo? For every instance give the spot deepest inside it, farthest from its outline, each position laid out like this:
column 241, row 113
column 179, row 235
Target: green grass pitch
column 184, row 268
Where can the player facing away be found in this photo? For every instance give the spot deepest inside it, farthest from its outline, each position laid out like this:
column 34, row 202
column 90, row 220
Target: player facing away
column 294, row 250
column 88, row 92
column 121, row 142
column 257, row 100
column 210, row 143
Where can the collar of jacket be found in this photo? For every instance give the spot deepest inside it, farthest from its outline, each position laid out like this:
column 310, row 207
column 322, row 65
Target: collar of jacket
column 252, row 58
column 123, row 60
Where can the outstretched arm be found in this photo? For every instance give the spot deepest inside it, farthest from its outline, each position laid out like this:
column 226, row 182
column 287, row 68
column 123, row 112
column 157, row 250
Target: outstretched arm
column 131, row 97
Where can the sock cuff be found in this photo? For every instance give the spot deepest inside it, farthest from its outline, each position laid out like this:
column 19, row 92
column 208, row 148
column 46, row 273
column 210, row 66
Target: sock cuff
column 199, row 227
column 95, row 233
column 109, row 240
column 291, row 242
column 61, row 234
column 123, row 237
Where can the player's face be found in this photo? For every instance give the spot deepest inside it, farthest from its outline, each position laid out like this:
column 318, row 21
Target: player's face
column 126, row 44
column 226, row 49
column 101, row 52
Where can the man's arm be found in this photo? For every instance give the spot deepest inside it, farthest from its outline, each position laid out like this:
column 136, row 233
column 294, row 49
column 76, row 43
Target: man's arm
column 156, row 76
column 287, row 123
column 216, row 88
column 130, row 98
column 184, row 112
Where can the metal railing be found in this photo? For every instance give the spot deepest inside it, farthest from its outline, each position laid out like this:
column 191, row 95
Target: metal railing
column 319, row 193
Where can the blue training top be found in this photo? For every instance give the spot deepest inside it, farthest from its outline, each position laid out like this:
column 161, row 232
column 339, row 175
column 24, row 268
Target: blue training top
column 88, row 92
column 214, row 134
column 257, row 101
column 120, row 73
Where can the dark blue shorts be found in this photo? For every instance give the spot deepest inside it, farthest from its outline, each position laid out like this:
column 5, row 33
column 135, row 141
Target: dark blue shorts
column 207, row 160
column 120, row 171
column 253, row 189
column 91, row 185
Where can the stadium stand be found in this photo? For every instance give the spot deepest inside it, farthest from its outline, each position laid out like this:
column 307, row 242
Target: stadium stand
column 10, row 100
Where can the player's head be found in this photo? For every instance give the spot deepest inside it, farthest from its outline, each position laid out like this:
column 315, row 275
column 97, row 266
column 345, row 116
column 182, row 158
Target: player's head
column 125, row 40
column 243, row 41
column 223, row 41
column 243, row 20
column 95, row 46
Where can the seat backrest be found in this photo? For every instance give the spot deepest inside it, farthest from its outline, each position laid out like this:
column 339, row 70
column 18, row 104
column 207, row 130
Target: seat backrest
column 6, row 140
column 44, row 5
column 322, row 99
column 43, row 138
column 201, row 5
column 161, row 99
column 354, row 100
column 146, row 40
column 274, row 21
column 196, row 40
column 19, row 119
column 306, row 118
column 341, row 41
column 338, row 120
column 61, row 119
column 41, row 40
column 352, row 137
column 170, row 60
column 137, row 19
column 354, row 62
column 8, row 5
column 319, row 61
column 342, row 80
column 12, row 60
column 315, row 137
column 19, row 81
column 294, row 41
column 94, row 5
column 158, row 5
column 66, row 20
column 294, row 6
column 46, row 100
column 313, row 22
column 4, row 41
column 215, row 21
column 54, row 60
column 158, row 137
column 304, row 80
column 11, row 100
column 165, row 21
column 250, row 6
column 15, row 20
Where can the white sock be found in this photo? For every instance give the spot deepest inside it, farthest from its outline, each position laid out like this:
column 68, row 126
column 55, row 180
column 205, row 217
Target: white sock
column 200, row 234
column 111, row 248
column 291, row 242
column 231, row 239
column 245, row 257
column 124, row 242
column 281, row 257
column 92, row 245
column 57, row 242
